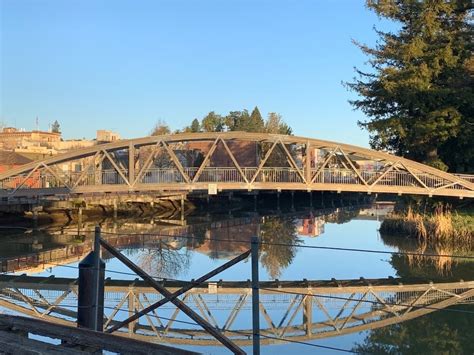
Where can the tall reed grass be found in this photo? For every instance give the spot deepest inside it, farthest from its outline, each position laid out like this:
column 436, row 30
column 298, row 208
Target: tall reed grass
column 441, row 225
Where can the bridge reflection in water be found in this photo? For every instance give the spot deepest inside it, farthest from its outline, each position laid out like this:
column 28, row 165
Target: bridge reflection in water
column 291, row 310
column 299, row 310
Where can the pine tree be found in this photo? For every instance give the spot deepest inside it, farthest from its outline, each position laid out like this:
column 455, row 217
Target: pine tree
column 256, row 123
column 419, row 95
column 195, row 126
column 55, row 127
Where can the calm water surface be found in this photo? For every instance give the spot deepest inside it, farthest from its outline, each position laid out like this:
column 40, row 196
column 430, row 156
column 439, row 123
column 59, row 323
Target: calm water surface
column 211, row 241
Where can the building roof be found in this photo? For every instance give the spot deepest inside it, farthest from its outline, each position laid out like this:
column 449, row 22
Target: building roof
column 12, row 158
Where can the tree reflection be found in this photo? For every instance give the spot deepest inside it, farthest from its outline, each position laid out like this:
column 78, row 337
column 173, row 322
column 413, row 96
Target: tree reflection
column 435, row 333
column 278, row 234
column 431, row 267
column 342, row 215
column 163, row 260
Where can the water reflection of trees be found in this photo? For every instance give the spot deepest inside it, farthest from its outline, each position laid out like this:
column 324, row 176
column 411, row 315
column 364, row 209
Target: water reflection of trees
column 341, row 216
column 162, row 260
column 276, row 231
column 431, row 266
column 436, row 333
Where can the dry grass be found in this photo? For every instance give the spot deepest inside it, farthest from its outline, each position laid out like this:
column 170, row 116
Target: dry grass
column 441, row 225
column 441, row 232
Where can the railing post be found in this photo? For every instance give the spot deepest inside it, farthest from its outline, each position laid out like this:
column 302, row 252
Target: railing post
column 90, row 312
column 255, row 297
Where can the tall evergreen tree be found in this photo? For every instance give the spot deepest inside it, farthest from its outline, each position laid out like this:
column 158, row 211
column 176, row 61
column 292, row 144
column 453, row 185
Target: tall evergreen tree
column 256, row 123
column 55, row 127
column 195, row 126
column 419, row 95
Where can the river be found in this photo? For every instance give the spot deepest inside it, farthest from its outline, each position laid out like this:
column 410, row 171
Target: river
column 302, row 246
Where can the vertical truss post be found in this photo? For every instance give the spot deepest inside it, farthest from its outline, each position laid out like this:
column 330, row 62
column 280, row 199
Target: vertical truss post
column 255, row 297
column 131, row 310
column 307, row 165
column 308, row 314
column 131, row 163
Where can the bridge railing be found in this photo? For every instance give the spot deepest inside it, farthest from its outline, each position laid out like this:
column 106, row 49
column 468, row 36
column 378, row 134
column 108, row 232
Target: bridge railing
column 467, row 177
column 45, row 179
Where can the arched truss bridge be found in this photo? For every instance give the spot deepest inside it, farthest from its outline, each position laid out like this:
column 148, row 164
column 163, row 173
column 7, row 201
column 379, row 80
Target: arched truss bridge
column 231, row 161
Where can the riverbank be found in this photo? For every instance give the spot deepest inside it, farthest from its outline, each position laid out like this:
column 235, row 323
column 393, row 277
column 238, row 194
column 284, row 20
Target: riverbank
column 441, row 224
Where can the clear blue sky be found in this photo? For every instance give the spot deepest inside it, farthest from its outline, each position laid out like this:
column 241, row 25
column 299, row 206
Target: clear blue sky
column 122, row 65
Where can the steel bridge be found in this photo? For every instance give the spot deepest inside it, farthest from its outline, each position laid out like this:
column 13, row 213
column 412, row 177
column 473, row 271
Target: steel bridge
column 231, row 161
column 291, row 310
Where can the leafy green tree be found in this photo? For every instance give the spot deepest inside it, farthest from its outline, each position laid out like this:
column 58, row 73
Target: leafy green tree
column 212, row 122
column 55, row 127
column 419, row 95
column 161, row 128
column 195, row 126
column 231, row 120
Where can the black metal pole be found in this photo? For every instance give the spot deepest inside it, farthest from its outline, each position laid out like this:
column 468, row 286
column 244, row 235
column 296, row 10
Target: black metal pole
column 96, row 283
column 255, row 297
column 91, row 289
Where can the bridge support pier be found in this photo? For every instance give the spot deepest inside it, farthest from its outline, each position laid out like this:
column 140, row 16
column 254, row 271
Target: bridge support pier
column 278, row 200
column 310, row 199
column 292, row 200
column 255, row 202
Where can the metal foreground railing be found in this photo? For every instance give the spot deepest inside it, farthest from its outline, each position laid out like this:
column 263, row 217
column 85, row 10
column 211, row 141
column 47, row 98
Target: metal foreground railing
column 291, row 310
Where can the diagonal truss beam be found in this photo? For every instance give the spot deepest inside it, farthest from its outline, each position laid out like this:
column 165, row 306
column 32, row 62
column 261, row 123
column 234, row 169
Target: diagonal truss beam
column 206, row 159
column 93, row 163
column 148, row 162
column 262, row 163
column 414, row 175
column 326, row 161
column 26, row 178
column 389, row 169
column 236, row 164
column 177, row 302
column 107, row 155
column 176, row 162
column 292, row 161
column 56, row 175
column 353, row 167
